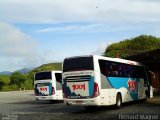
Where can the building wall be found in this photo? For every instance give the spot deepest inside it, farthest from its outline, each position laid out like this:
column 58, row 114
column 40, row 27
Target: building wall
column 156, row 82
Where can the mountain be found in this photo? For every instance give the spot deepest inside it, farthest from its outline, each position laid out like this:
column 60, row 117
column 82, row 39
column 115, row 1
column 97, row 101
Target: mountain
column 5, row 73
column 44, row 67
column 24, row 70
column 48, row 67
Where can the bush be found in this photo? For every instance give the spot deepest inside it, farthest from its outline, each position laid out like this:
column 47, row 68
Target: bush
column 18, row 79
column 129, row 47
column 28, row 84
column 1, row 85
column 10, row 88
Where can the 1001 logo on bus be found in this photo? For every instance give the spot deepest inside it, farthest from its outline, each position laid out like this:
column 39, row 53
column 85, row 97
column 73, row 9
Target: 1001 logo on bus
column 132, row 85
column 43, row 89
column 79, row 87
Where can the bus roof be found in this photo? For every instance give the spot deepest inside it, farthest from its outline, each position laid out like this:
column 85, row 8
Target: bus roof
column 53, row 71
column 111, row 59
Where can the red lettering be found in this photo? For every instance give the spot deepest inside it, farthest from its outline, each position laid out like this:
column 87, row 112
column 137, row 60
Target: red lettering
column 43, row 89
column 76, row 87
column 132, row 85
column 83, row 86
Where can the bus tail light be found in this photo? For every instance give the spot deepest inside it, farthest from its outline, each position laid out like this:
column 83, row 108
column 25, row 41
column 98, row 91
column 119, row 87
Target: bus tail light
column 96, row 90
column 53, row 91
column 35, row 92
column 64, row 93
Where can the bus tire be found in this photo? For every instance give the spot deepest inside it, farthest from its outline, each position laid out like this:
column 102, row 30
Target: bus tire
column 90, row 108
column 53, row 101
column 118, row 101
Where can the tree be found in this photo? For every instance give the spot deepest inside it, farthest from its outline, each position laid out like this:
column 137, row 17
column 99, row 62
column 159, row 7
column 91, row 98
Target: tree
column 140, row 44
column 18, row 79
column 1, row 84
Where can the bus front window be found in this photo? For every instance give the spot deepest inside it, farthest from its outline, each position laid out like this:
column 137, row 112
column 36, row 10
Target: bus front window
column 43, row 76
column 78, row 64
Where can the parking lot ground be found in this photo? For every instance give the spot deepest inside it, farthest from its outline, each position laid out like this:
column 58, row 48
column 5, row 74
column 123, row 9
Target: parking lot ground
column 21, row 105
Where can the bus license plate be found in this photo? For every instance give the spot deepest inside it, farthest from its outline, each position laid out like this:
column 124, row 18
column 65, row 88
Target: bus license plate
column 79, row 102
column 43, row 97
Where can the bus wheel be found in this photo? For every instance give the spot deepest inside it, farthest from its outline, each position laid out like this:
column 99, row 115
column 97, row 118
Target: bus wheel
column 90, row 108
column 53, row 101
column 118, row 101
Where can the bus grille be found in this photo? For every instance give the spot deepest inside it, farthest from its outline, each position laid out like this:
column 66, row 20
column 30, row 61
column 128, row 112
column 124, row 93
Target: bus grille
column 78, row 78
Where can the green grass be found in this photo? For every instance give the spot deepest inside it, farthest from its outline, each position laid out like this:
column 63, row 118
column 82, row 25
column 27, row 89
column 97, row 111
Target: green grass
column 9, row 88
column 28, row 84
column 5, row 79
column 5, row 86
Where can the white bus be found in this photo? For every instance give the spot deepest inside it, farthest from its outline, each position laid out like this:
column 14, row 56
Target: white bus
column 48, row 85
column 102, row 81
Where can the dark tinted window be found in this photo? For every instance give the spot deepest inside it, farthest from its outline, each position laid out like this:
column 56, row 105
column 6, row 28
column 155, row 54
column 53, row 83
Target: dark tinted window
column 58, row 81
column 115, row 69
column 58, row 77
column 58, row 86
column 79, row 63
column 111, row 69
column 43, row 76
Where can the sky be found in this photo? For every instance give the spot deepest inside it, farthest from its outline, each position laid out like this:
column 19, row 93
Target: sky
column 36, row 32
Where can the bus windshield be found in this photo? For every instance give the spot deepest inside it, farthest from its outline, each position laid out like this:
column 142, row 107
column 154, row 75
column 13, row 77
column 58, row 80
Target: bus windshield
column 79, row 63
column 43, row 76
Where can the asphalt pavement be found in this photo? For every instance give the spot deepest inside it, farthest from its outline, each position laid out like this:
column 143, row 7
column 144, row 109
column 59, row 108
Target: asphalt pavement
column 22, row 105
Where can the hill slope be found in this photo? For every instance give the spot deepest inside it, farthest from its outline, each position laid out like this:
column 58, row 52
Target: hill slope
column 5, row 73
column 47, row 67
column 24, row 70
column 133, row 46
column 44, row 67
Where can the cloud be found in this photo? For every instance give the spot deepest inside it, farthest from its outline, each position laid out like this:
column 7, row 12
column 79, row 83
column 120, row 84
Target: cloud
column 14, row 43
column 101, row 48
column 39, row 59
column 17, row 48
column 107, row 18
column 70, row 28
column 53, row 11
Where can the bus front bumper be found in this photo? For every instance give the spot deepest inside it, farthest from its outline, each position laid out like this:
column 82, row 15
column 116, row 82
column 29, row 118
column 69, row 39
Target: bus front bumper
column 48, row 98
column 82, row 102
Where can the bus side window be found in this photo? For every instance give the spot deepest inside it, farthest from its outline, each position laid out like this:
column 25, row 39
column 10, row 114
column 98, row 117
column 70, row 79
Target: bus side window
column 114, row 70
column 146, row 82
column 58, row 81
column 106, row 68
column 103, row 67
column 58, row 86
column 141, row 73
column 58, row 77
column 129, row 69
